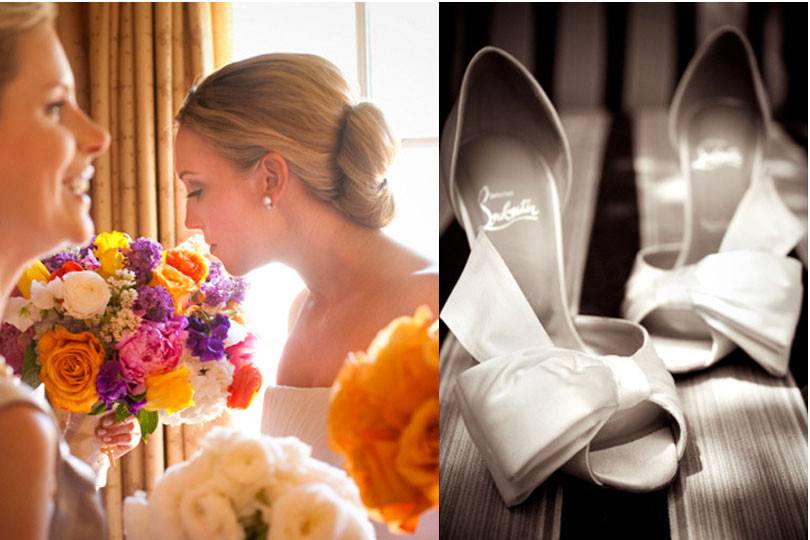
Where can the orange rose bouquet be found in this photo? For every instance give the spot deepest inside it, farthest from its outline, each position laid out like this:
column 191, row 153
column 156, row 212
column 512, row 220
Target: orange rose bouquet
column 132, row 327
column 384, row 420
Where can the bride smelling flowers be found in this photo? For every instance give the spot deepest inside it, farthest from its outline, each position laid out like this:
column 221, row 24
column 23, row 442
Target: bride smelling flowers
column 280, row 164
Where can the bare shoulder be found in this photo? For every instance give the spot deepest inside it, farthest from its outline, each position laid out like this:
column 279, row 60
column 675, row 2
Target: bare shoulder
column 412, row 282
column 33, row 429
column 27, row 469
column 425, row 286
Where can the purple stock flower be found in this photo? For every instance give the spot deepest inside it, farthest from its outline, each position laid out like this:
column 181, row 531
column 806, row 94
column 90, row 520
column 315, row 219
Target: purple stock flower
column 84, row 257
column 88, row 259
column 239, row 290
column 216, row 289
column 219, row 289
column 110, row 383
column 207, row 339
column 154, row 304
column 143, row 257
column 55, row 262
column 13, row 344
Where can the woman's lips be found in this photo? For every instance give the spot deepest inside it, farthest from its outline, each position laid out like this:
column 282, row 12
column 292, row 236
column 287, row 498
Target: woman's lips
column 79, row 185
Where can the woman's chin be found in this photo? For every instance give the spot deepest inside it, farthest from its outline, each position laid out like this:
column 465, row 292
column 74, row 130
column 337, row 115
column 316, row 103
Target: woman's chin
column 235, row 266
column 78, row 226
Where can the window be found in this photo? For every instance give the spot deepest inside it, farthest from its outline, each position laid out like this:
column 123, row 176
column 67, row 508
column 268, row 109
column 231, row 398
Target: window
column 389, row 52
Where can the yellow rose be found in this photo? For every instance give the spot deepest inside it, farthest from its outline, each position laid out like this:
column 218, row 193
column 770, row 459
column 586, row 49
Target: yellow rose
column 169, row 391
column 179, row 285
column 108, row 247
column 70, row 364
column 35, row 272
column 383, row 418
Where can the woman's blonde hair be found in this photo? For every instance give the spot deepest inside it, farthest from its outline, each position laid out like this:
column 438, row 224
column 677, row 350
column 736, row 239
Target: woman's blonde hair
column 17, row 17
column 300, row 106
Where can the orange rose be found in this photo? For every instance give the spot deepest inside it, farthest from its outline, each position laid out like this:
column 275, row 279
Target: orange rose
column 418, row 457
column 189, row 263
column 383, row 419
column 180, row 286
column 70, row 363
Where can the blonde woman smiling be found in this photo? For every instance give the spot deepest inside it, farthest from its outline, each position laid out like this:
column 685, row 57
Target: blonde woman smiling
column 47, row 145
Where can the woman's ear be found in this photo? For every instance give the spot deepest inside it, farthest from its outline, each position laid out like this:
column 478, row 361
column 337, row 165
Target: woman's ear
column 275, row 175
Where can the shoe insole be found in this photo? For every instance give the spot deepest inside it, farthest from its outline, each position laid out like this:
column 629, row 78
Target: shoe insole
column 509, row 192
column 718, row 151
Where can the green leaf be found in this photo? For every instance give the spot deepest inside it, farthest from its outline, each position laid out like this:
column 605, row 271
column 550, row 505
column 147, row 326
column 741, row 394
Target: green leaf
column 254, row 526
column 148, row 421
column 262, row 497
column 30, row 374
column 121, row 413
column 97, row 409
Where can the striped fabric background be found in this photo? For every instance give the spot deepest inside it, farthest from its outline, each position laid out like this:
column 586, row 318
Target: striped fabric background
column 625, row 57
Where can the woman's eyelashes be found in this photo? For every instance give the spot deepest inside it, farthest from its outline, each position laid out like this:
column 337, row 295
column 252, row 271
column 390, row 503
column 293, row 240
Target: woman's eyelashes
column 196, row 193
column 54, row 109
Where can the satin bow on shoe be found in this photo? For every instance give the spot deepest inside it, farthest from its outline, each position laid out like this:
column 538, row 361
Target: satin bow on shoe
column 748, row 294
column 532, row 408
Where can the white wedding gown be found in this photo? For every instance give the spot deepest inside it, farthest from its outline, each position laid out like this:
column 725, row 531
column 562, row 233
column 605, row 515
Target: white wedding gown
column 301, row 412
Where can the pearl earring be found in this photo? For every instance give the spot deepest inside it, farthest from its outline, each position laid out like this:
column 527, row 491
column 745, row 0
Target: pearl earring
column 267, row 202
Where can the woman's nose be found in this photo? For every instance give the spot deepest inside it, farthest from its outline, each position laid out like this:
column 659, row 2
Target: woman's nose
column 191, row 221
column 92, row 139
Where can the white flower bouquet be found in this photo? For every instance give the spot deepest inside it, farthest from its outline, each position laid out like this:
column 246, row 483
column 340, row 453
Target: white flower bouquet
column 239, row 486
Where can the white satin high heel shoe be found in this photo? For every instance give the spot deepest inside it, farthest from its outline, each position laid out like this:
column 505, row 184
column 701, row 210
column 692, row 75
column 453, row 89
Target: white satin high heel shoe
column 728, row 283
column 587, row 394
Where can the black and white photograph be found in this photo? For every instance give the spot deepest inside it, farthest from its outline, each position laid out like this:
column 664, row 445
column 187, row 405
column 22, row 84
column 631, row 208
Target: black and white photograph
column 624, row 268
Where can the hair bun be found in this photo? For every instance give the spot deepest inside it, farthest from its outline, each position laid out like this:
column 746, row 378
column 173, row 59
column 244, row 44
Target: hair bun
column 366, row 148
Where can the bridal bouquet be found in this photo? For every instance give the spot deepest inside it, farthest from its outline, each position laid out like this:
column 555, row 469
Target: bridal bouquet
column 384, row 419
column 129, row 326
column 239, row 486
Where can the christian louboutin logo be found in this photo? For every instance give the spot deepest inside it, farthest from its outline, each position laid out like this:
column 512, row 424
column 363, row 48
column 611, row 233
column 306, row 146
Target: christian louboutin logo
column 508, row 213
column 716, row 153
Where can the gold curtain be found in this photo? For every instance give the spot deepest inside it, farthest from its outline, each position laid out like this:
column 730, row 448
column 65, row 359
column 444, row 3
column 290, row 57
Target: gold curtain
column 134, row 63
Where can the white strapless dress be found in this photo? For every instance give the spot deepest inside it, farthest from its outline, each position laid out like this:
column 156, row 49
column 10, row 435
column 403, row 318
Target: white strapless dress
column 301, row 412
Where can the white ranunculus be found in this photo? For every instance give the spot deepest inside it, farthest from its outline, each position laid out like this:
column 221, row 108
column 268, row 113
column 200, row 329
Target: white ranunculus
column 164, row 502
column 21, row 313
column 316, row 512
column 86, row 294
column 232, row 476
column 206, row 512
column 246, row 463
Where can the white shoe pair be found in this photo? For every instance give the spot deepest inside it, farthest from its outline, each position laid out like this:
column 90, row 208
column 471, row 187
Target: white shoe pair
column 592, row 394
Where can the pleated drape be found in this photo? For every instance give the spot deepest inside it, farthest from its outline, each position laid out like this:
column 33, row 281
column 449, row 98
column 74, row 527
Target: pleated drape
column 134, row 63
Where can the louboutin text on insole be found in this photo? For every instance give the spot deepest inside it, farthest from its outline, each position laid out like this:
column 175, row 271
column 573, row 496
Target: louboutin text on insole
column 508, row 212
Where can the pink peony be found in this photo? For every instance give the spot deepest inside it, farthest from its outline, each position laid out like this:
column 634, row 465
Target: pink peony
column 13, row 344
column 152, row 349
